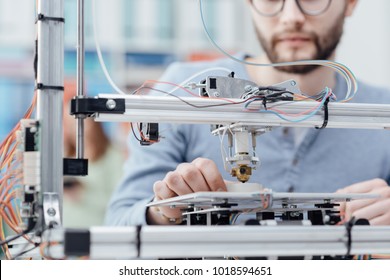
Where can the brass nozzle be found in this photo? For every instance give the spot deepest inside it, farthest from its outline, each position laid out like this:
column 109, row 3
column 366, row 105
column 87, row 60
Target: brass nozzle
column 242, row 172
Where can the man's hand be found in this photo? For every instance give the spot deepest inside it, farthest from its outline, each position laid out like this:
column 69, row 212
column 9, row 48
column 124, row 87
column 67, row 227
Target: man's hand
column 201, row 175
column 377, row 211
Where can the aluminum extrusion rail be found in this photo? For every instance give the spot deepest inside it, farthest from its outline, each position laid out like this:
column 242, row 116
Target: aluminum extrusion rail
column 200, row 241
column 166, row 109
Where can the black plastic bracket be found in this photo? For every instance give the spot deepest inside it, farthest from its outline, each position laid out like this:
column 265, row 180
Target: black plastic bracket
column 151, row 131
column 90, row 106
column 77, row 242
column 75, row 167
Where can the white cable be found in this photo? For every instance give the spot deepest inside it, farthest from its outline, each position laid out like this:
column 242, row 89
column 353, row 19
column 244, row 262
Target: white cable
column 108, row 77
column 99, row 53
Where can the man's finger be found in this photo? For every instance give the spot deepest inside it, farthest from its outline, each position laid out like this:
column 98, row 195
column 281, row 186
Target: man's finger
column 193, row 177
column 211, row 174
column 381, row 220
column 176, row 183
column 372, row 211
column 162, row 191
column 364, row 187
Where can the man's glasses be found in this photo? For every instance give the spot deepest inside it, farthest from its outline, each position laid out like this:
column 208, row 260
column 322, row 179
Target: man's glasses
column 270, row 8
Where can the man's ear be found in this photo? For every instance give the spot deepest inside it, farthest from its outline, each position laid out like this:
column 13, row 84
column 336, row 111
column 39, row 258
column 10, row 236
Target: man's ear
column 351, row 5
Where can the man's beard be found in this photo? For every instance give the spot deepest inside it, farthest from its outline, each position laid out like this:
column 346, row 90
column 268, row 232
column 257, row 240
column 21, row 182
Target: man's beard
column 325, row 46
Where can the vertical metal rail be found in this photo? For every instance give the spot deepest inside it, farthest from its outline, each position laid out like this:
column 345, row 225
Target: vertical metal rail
column 80, row 78
column 50, row 73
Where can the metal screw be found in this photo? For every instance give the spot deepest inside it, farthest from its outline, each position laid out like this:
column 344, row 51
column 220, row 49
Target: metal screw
column 294, row 214
column 110, row 104
column 51, row 212
column 216, row 94
column 293, row 83
column 326, row 219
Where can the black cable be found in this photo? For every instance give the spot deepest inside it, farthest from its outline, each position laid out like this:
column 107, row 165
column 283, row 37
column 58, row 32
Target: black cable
column 36, row 245
column 4, row 242
column 135, row 135
column 326, row 116
column 30, row 226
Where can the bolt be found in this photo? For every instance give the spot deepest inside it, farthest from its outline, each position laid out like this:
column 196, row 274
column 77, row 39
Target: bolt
column 326, row 219
column 216, row 94
column 293, row 83
column 51, row 212
column 110, row 104
column 294, row 214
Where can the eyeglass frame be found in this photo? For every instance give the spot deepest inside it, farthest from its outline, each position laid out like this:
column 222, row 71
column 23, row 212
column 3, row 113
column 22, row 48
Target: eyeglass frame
column 299, row 6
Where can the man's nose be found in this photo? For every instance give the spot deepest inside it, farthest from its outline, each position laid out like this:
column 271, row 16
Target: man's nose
column 292, row 14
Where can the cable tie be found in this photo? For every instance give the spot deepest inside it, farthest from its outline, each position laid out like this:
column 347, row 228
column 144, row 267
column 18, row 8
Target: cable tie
column 41, row 86
column 326, row 117
column 348, row 227
column 139, row 227
column 265, row 103
column 42, row 17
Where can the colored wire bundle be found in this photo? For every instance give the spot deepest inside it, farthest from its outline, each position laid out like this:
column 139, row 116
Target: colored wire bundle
column 10, row 184
column 283, row 115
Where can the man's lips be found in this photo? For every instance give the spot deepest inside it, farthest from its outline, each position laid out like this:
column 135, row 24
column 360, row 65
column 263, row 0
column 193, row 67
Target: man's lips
column 293, row 40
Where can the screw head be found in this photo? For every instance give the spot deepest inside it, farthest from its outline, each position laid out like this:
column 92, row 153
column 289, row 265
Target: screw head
column 326, row 219
column 216, row 94
column 51, row 212
column 294, row 214
column 110, row 104
column 293, row 83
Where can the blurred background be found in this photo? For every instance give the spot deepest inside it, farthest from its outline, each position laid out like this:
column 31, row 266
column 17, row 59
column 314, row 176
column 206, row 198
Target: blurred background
column 139, row 38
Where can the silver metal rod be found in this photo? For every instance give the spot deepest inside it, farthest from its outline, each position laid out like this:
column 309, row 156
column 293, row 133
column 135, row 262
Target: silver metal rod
column 80, row 48
column 50, row 72
column 80, row 138
column 80, row 77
